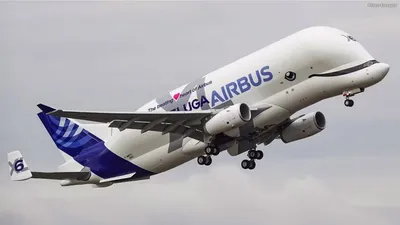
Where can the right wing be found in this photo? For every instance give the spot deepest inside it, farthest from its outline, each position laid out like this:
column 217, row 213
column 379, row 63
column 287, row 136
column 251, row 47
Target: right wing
column 19, row 171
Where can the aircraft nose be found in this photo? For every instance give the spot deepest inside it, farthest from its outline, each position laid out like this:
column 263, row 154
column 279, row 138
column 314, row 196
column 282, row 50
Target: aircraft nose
column 383, row 70
column 374, row 74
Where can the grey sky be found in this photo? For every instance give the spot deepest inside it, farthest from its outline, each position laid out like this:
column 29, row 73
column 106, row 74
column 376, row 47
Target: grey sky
column 117, row 56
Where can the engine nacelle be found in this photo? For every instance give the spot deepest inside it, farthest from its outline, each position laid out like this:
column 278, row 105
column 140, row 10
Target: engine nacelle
column 230, row 118
column 303, row 127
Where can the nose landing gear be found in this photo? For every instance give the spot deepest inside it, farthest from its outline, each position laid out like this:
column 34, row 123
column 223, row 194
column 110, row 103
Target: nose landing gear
column 348, row 103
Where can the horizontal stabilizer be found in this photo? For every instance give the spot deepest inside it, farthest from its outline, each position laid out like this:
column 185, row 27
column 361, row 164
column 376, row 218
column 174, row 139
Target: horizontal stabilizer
column 61, row 175
column 19, row 171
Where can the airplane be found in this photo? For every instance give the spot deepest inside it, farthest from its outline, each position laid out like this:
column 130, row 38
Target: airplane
column 245, row 104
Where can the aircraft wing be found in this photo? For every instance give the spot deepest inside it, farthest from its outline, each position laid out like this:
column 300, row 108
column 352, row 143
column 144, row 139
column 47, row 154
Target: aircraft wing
column 191, row 117
column 181, row 122
column 187, row 123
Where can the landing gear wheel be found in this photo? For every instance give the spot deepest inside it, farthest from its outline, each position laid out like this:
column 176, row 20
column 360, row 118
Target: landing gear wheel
column 252, row 154
column 201, row 160
column 208, row 150
column 245, row 164
column 208, row 161
column 348, row 102
column 252, row 164
column 215, row 151
column 259, row 154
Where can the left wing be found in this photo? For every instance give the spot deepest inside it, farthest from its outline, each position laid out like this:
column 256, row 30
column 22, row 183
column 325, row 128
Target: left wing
column 187, row 123
column 181, row 122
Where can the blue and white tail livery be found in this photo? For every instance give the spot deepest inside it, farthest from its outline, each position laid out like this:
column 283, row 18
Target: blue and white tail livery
column 70, row 137
column 249, row 102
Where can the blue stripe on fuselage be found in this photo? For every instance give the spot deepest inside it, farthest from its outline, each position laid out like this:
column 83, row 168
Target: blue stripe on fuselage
column 107, row 164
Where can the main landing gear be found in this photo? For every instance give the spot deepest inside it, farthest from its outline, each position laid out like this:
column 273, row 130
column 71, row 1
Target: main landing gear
column 204, row 160
column 209, row 150
column 207, row 160
column 253, row 155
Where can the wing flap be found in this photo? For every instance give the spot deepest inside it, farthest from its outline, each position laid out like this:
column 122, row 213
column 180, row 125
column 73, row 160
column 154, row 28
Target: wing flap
column 196, row 133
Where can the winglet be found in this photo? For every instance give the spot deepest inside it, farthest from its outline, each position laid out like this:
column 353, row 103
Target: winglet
column 45, row 108
column 18, row 168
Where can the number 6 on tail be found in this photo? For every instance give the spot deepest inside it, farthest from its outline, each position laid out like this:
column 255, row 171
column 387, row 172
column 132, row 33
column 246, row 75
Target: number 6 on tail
column 18, row 168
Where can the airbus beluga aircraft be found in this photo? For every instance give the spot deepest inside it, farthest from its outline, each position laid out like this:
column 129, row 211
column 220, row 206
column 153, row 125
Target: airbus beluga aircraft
column 235, row 108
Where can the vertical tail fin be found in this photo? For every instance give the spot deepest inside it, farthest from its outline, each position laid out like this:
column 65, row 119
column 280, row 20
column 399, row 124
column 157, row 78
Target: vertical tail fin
column 18, row 168
column 70, row 137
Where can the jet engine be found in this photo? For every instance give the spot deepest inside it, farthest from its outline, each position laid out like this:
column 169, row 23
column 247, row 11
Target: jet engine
column 230, row 118
column 305, row 126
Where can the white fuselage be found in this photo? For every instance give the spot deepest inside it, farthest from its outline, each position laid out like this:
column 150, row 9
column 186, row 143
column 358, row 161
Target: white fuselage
column 256, row 79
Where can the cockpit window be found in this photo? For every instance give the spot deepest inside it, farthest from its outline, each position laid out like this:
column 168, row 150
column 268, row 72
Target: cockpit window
column 346, row 71
column 369, row 63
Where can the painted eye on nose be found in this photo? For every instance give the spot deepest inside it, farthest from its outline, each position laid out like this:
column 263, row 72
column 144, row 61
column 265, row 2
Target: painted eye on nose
column 290, row 76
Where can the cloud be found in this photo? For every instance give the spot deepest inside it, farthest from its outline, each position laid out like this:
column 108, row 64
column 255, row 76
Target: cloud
column 223, row 194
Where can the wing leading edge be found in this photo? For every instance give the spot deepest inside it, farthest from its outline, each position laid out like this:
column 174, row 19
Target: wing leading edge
column 187, row 123
column 181, row 122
